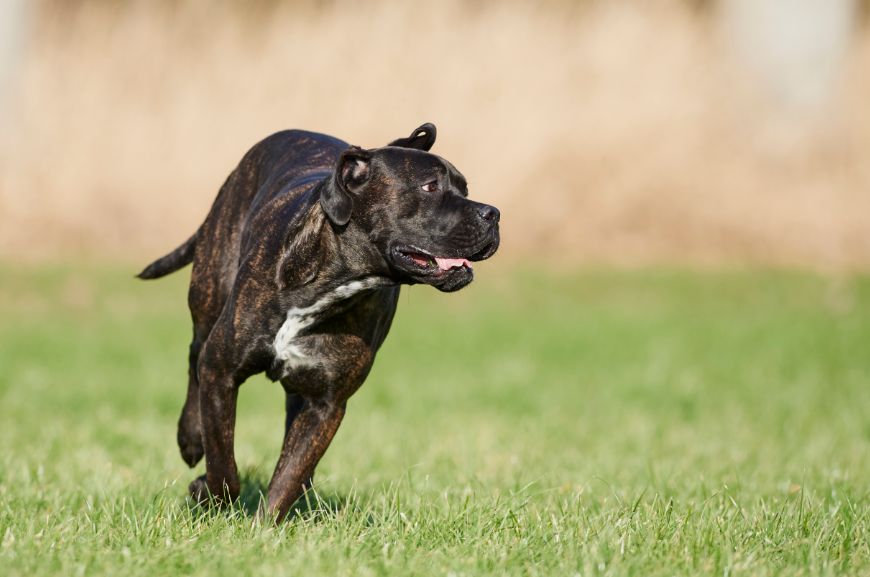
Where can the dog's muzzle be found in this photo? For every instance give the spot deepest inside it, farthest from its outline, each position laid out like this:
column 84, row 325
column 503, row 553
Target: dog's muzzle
column 448, row 268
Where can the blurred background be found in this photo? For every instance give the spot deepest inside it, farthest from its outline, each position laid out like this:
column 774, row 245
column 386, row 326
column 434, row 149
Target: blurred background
column 695, row 132
column 664, row 370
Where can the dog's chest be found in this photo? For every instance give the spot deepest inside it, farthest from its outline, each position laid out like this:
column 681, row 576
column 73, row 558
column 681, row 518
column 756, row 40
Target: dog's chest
column 291, row 352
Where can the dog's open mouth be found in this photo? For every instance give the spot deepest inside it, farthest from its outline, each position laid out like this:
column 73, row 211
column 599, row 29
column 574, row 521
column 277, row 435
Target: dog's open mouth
column 446, row 273
column 430, row 263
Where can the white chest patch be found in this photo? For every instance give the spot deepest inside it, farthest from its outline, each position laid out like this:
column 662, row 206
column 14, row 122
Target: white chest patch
column 287, row 350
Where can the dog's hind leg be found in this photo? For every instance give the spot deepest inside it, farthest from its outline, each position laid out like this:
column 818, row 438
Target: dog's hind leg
column 190, row 422
column 218, row 393
column 205, row 299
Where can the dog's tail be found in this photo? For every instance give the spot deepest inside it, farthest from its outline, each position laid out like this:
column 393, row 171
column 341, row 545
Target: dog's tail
column 179, row 258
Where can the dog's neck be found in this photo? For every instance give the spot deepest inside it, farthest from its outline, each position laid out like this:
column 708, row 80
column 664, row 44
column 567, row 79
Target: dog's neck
column 354, row 257
column 319, row 256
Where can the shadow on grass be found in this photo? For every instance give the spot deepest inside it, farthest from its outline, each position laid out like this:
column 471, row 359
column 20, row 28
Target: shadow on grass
column 314, row 506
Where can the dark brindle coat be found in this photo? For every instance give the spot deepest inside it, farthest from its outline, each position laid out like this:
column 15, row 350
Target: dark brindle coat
column 296, row 273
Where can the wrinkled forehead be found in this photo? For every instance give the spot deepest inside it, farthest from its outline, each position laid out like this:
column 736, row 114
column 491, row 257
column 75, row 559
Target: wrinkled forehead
column 417, row 163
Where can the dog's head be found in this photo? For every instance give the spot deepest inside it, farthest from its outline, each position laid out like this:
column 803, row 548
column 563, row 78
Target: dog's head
column 415, row 209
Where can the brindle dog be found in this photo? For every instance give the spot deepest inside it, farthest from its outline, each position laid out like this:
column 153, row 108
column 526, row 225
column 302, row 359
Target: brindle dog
column 296, row 273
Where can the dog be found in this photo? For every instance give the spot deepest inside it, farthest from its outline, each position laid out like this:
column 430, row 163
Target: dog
column 296, row 274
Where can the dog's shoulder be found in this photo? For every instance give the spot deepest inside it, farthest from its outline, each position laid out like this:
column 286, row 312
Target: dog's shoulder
column 299, row 148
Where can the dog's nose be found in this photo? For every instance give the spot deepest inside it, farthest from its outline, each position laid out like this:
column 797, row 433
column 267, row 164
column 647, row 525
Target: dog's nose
column 489, row 214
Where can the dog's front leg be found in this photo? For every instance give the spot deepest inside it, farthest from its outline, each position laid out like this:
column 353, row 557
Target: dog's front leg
column 306, row 440
column 295, row 404
column 218, row 392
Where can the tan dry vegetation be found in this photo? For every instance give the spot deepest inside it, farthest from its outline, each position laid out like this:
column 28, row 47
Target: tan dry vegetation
column 606, row 131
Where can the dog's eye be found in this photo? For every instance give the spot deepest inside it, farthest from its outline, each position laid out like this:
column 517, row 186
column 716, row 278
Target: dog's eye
column 430, row 186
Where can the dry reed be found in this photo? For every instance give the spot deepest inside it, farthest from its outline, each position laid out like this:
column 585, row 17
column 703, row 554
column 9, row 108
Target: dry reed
column 616, row 132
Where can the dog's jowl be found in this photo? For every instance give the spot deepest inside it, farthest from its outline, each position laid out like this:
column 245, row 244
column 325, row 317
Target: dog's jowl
column 296, row 273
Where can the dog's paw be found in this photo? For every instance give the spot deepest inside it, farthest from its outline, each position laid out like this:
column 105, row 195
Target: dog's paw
column 191, row 452
column 190, row 444
column 198, row 490
column 202, row 495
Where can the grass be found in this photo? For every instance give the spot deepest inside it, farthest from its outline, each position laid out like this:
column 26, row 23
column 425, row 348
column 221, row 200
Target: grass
column 652, row 422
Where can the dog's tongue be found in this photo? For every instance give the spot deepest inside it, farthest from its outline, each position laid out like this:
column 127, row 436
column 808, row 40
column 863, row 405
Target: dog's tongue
column 448, row 263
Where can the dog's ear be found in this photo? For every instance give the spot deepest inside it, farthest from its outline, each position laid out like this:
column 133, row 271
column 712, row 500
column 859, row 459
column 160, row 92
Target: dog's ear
column 422, row 138
column 351, row 172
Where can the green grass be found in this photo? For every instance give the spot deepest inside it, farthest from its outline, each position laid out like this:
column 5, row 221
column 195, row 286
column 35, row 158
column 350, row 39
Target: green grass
column 617, row 423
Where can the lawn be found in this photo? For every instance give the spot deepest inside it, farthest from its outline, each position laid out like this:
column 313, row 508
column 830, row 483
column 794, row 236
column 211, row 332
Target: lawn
column 602, row 422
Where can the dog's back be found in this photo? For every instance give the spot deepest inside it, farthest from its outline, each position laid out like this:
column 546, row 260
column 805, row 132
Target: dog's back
column 290, row 160
column 270, row 178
